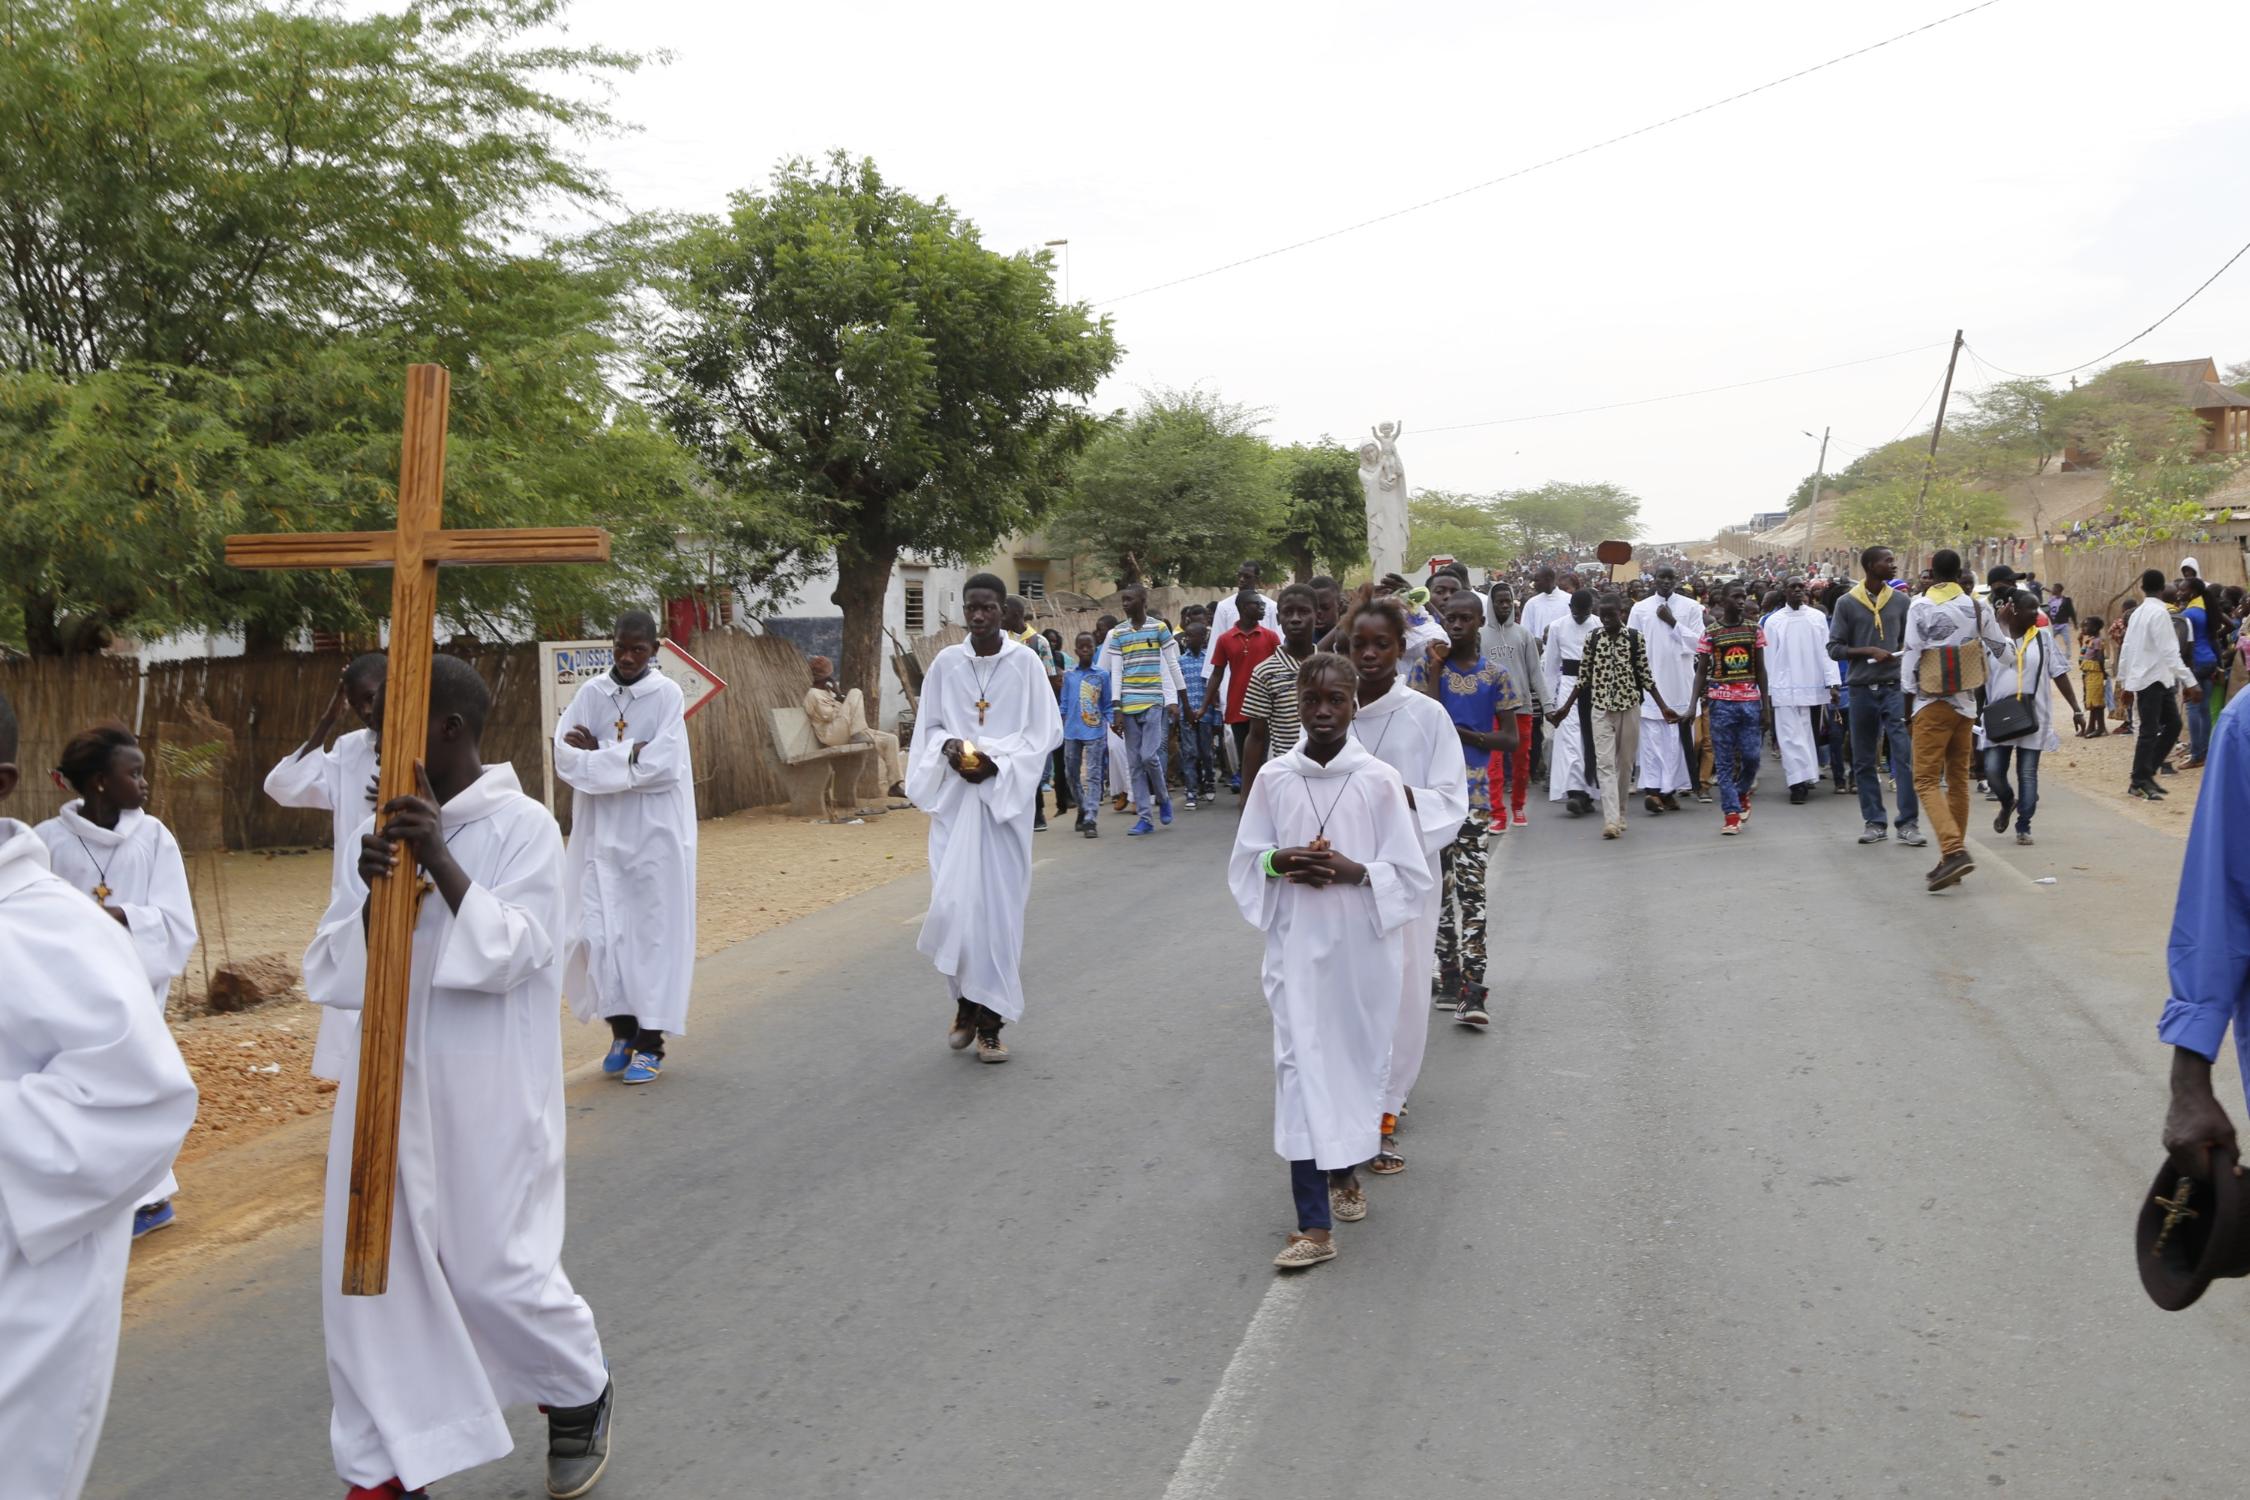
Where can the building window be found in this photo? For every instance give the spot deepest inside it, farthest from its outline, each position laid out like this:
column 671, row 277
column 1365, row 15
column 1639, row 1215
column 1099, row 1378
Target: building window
column 916, row 616
column 1031, row 582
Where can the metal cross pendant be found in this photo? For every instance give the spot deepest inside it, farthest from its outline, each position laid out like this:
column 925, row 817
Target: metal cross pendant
column 621, row 729
column 2176, row 1212
column 981, row 707
column 101, row 891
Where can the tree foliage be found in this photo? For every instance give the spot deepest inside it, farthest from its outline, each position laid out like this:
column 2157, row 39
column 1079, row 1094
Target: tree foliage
column 1181, row 491
column 1466, row 528
column 2006, row 431
column 1884, row 514
column 2124, row 407
column 1325, row 523
column 1568, row 514
column 230, row 227
column 857, row 355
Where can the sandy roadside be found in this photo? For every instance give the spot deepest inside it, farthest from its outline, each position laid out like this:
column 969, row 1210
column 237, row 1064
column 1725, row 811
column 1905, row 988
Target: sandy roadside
column 2100, row 768
column 253, row 1159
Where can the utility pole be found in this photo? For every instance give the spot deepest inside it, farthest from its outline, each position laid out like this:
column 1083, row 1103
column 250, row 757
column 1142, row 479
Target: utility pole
column 1812, row 511
column 1929, row 465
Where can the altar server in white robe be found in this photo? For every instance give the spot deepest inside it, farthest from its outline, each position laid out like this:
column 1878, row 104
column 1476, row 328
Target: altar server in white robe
column 1329, row 863
column 629, row 874
column 1410, row 732
column 1570, row 764
column 1803, row 679
column 479, row 1314
column 107, row 845
column 1670, row 623
column 338, row 780
column 987, row 724
column 94, row 1102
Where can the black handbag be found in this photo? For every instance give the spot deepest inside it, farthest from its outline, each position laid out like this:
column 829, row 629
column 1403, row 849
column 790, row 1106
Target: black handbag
column 2014, row 717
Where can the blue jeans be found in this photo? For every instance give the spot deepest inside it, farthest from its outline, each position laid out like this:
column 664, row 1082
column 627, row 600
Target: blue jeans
column 1199, row 756
column 2199, row 715
column 1310, row 1185
column 1145, row 734
column 1085, row 759
column 2025, row 793
column 1737, row 734
column 1877, row 712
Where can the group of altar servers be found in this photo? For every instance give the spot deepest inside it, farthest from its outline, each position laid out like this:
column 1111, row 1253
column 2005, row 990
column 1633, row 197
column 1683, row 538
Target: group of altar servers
column 96, row 923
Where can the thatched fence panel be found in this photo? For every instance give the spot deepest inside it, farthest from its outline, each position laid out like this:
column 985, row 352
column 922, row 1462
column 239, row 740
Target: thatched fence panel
column 54, row 699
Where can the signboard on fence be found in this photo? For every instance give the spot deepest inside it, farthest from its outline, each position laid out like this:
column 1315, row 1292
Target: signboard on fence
column 566, row 666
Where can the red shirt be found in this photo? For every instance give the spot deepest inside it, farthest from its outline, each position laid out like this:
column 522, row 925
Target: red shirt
column 1236, row 655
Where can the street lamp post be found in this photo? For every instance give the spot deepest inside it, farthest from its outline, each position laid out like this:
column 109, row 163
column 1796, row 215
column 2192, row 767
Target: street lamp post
column 1812, row 511
column 1064, row 246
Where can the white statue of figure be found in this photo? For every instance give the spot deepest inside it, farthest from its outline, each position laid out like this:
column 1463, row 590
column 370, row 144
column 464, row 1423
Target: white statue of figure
column 1382, row 477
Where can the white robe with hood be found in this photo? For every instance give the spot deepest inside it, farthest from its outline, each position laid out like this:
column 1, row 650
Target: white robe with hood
column 628, row 930
column 1413, row 734
column 980, row 834
column 1333, row 955
column 1800, row 674
column 94, row 1102
column 479, row 1315
column 336, row 781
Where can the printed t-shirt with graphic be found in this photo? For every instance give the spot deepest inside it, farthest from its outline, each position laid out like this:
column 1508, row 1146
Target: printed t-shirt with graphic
column 1475, row 697
column 1085, row 703
column 1733, row 676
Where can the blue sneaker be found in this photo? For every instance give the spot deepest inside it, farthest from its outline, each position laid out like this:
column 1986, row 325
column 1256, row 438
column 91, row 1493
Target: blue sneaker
column 1143, row 826
column 152, row 1217
column 643, row 1068
column 1164, row 811
column 620, row 1056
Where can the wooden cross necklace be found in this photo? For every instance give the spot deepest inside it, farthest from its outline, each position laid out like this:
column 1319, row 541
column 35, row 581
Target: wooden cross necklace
column 101, row 870
column 621, row 698
column 984, row 680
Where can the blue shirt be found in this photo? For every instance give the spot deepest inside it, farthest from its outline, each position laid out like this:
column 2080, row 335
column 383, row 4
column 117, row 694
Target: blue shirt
column 1192, row 665
column 1085, row 703
column 2208, row 962
column 1474, row 697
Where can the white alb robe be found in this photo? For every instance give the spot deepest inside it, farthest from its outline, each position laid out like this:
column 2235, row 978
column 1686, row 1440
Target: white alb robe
column 1567, row 770
column 980, row 834
column 1413, row 734
column 479, row 1315
column 1800, row 674
column 140, row 862
column 336, row 780
column 1333, row 955
column 1542, row 610
column 1671, row 661
column 94, row 1102
column 628, row 929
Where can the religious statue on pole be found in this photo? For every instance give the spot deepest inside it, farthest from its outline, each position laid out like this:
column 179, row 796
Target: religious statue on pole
column 1383, row 479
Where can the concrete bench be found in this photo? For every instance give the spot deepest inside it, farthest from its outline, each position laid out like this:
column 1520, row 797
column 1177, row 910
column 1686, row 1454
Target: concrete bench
column 808, row 767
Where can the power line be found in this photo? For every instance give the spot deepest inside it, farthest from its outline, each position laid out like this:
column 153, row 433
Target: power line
column 1476, row 187
column 2136, row 338
column 1709, row 390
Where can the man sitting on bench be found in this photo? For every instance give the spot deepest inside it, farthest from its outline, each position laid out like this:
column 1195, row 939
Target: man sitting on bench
column 841, row 719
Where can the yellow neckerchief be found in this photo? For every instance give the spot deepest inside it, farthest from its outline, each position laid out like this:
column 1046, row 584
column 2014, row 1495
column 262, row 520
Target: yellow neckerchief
column 1943, row 593
column 1864, row 595
column 2021, row 647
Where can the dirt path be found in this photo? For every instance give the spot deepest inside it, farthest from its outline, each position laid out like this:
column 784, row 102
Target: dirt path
column 2100, row 768
column 253, row 1156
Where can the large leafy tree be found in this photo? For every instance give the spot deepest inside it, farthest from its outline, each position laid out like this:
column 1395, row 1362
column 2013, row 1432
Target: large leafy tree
column 1326, row 520
column 1182, row 491
column 228, row 227
column 2124, row 407
column 1563, row 513
column 1443, row 523
column 1893, row 513
column 858, row 354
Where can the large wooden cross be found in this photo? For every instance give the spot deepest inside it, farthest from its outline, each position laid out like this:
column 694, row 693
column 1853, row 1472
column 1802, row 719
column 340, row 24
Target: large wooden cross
column 413, row 552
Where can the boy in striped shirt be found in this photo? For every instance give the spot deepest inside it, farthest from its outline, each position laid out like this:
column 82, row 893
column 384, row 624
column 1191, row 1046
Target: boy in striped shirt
column 1145, row 679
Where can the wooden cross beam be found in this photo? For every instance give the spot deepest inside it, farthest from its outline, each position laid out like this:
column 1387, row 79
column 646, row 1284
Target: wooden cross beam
column 413, row 552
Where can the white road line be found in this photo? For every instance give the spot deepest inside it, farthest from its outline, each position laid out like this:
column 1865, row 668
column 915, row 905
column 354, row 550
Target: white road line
column 1203, row 1468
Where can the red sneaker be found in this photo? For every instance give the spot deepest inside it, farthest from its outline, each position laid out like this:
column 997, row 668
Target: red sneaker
column 1734, row 823
column 389, row 1489
column 1521, row 820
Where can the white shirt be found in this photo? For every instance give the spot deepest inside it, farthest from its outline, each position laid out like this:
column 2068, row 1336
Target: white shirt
column 1225, row 614
column 1930, row 626
column 1541, row 610
column 2151, row 653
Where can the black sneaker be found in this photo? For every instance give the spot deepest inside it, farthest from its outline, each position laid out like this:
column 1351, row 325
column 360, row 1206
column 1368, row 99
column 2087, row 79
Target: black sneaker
column 1799, row 793
column 1471, row 1011
column 578, row 1445
column 1039, row 820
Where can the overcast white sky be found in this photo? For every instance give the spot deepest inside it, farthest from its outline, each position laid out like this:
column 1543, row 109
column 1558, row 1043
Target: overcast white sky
column 2050, row 174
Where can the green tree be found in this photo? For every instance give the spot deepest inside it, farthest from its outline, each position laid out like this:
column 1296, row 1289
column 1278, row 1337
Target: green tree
column 230, row 227
column 1182, row 491
column 1326, row 520
column 2006, row 431
column 2124, row 406
column 860, row 354
column 1463, row 527
column 2160, row 496
column 1884, row 514
column 1561, row 513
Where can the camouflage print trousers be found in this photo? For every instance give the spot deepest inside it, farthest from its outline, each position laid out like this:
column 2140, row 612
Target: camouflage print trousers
column 1460, row 934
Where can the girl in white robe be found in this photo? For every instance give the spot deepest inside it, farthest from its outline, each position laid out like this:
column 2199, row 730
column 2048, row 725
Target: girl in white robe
column 628, row 930
column 479, row 1314
column 1413, row 734
column 980, row 830
column 107, row 846
column 1333, row 951
column 339, row 781
column 94, row 1102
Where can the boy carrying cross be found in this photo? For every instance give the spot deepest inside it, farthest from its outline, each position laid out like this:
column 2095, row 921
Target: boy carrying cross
column 479, row 1314
column 629, row 874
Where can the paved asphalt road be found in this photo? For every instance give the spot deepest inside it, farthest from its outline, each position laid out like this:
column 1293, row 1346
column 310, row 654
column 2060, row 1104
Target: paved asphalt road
column 1774, row 1176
